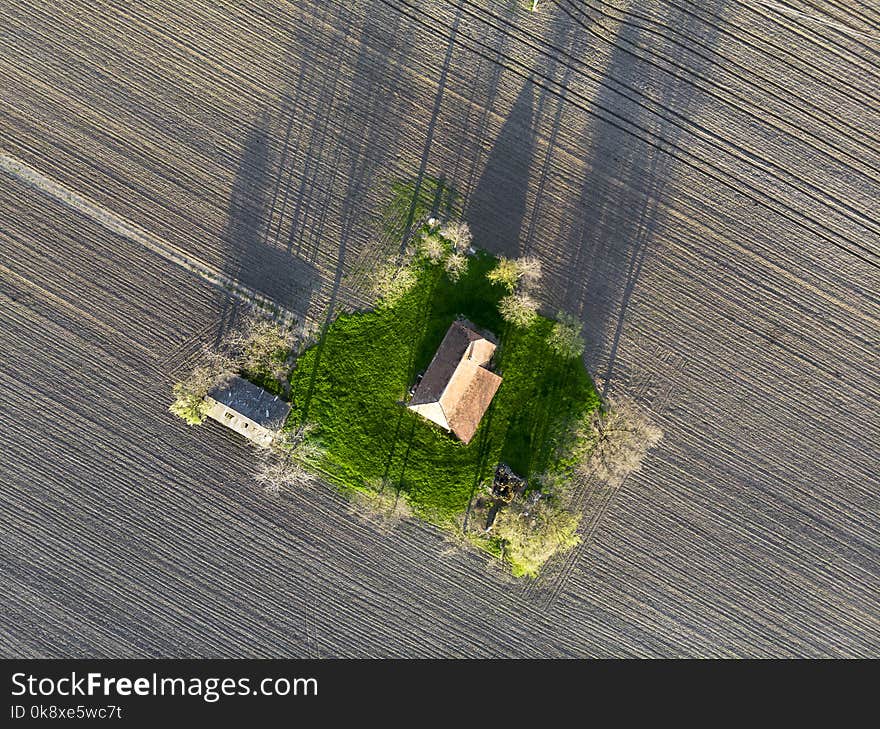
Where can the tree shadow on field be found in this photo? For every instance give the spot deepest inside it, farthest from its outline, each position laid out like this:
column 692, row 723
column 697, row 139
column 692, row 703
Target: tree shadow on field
column 344, row 131
column 351, row 137
column 300, row 200
column 626, row 176
column 556, row 71
column 474, row 117
column 412, row 218
column 250, row 259
column 496, row 209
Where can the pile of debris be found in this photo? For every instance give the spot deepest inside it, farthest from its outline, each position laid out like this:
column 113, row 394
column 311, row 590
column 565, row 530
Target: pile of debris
column 505, row 487
column 507, row 484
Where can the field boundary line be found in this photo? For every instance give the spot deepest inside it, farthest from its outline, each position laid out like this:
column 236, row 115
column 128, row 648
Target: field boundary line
column 117, row 224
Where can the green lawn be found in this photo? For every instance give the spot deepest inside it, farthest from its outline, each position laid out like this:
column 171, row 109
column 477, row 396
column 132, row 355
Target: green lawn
column 353, row 382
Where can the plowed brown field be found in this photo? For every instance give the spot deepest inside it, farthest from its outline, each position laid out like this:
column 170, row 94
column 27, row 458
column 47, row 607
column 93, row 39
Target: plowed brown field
column 701, row 181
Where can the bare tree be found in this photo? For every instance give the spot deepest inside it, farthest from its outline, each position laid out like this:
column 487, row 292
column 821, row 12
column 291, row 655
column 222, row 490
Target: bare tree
column 279, row 474
column 528, row 271
column 456, row 264
column 458, row 234
column 616, row 440
column 290, row 461
column 261, row 346
column 433, row 247
column 390, row 283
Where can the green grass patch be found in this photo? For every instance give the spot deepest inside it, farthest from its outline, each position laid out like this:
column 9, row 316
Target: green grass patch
column 352, row 385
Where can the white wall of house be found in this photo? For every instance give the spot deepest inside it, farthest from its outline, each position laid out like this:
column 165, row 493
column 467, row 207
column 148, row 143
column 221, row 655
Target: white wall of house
column 433, row 412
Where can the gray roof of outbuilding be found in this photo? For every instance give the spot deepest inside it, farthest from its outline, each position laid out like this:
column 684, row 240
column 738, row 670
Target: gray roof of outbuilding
column 252, row 401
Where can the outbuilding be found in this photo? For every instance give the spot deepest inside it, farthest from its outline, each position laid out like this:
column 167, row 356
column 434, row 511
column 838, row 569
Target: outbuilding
column 248, row 409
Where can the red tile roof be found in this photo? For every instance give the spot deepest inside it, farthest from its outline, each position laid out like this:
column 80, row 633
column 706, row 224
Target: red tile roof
column 458, row 381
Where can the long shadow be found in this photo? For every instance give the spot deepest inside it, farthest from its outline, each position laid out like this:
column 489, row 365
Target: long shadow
column 552, row 99
column 483, row 94
column 439, row 196
column 432, row 124
column 496, row 209
column 411, row 370
column 285, row 279
column 337, row 162
column 483, row 465
column 626, row 178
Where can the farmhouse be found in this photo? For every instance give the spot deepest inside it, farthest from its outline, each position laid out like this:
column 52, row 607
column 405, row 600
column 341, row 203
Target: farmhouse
column 458, row 387
column 247, row 409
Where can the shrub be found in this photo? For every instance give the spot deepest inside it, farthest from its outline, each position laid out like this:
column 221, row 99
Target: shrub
column 279, row 474
column 533, row 531
column 189, row 394
column 505, row 273
column 189, row 406
column 520, row 310
column 565, row 337
column 511, row 271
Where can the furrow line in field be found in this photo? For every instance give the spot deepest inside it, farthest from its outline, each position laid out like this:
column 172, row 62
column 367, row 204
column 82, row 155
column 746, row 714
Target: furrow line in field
column 776, row 52
column 758, row 577
column 706, row 167
column 634, row 95
column 129, row 230
column 716, row 89
column 782, row 423
column 755, row 577
column 868, row 317
column 122, row 110
column 822, row 19
column 814, row 32
column 52, row 271
column 766, row 505
column 684, row 124
column 840, row 11
column 717, row 614
column 133, row 459
column 62, row 303
column 158, row 548
column 44, row 622
column 741, row 316
column 771, row 87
